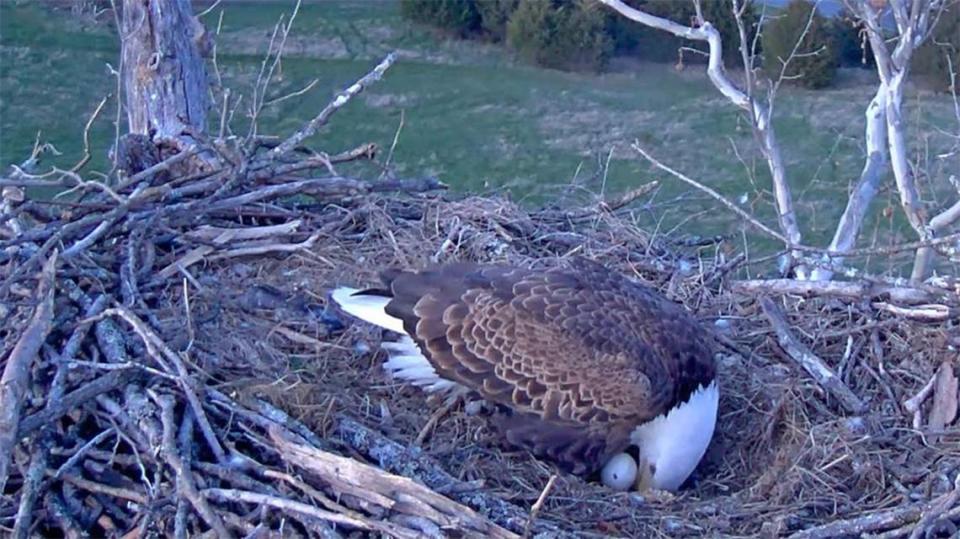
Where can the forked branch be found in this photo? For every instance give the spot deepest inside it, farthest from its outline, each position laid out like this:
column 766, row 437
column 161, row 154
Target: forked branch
column 760, row 114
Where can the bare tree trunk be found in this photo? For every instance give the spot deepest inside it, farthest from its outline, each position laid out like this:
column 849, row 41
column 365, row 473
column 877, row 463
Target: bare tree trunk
column 164, row 78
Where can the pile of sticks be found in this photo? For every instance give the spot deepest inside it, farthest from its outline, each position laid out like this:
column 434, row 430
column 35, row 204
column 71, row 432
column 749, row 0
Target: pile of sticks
column 109, row 429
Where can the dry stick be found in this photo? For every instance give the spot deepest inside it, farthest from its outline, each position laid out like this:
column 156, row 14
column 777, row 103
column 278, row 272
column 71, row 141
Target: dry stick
column 342, row 99
column 113, row 492
column 16, row 374
column 535, row 510
column 397, row 493
column 857, row 291
column 185, row 484
column 72, row 400
column 397, row 458
column 158, row 349
column 923, row 313
column 937, row 508
column 87, row 447
column 268, row 248
column 799, row 352
column 914, row 403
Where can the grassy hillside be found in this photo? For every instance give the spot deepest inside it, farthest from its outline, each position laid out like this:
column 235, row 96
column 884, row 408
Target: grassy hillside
column 471, row 114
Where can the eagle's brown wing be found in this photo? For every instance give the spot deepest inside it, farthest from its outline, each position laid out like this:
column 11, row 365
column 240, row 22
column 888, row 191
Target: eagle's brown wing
column 581, row 356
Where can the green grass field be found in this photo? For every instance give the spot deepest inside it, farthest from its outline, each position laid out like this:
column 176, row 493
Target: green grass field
column 472, row 115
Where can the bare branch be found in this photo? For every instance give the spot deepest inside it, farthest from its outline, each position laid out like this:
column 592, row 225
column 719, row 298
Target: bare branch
column 760, row 115
column 342, row 99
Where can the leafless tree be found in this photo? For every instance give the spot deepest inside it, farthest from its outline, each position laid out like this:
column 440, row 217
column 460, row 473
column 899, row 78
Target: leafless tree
column 885, row 133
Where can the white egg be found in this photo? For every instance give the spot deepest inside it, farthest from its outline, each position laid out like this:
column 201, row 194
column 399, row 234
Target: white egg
column 620, row 472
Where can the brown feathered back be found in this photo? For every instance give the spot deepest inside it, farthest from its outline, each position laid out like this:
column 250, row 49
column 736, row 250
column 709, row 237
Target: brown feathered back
column 581, row 356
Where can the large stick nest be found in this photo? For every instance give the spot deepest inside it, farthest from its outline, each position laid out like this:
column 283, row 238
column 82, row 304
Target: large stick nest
column 174, row 367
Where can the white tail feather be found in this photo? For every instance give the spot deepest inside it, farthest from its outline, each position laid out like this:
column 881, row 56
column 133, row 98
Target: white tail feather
column 367, row 308
column 406, row 361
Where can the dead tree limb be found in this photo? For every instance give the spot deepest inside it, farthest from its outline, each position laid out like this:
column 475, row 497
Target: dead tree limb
column 342, row 99
column 393, row 492
column 850, row 290
column 16, row 373
column 848, row 229
column 800, row 353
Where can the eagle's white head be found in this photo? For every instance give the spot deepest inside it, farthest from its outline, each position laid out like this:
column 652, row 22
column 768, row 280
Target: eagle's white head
column 670, row 446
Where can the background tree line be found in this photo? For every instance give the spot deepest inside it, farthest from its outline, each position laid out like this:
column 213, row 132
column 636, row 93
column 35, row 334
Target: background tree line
column 583, row 35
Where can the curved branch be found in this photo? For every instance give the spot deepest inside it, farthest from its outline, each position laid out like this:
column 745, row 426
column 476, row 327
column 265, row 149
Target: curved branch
column 760, row 114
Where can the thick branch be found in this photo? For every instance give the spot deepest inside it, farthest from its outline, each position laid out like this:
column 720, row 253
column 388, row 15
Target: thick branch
column 893, row 68
column 393, row 492
column 856, row 291
column 16, row 373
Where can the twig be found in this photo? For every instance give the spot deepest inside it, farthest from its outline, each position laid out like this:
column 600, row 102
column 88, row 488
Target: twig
column 713, row 193
column 342, row 99
column 75, row 458
column 16, row 373
column 799, row 352
column 535, row 510
column 913, row 404
column 86, row 136
column 393, row 145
